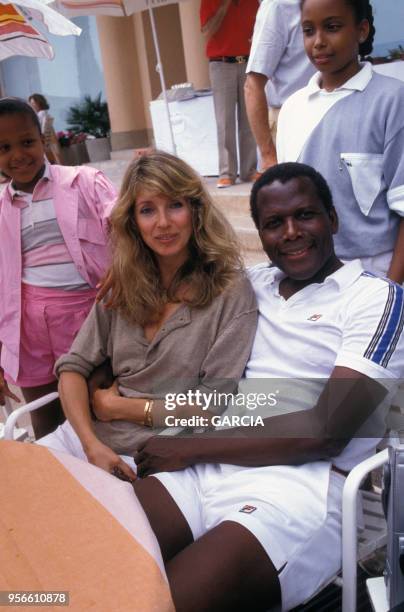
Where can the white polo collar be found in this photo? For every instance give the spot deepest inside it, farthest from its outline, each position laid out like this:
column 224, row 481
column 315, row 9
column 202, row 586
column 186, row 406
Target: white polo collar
column 356, row 83
column 345, row 276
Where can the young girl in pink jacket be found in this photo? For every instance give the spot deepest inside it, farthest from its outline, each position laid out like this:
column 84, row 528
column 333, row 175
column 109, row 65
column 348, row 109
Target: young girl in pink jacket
column 53, row 251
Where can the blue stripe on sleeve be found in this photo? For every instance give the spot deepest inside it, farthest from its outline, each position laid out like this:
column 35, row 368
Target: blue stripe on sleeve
column 382, row 324
column 391, row 331
column 397, row 334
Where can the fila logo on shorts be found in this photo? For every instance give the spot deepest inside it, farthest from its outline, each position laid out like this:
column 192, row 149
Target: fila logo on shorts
column 248, row 509
column 314, row 317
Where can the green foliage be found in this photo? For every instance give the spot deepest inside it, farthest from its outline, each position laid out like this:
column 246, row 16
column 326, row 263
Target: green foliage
column 397, row 52
column 89, row 116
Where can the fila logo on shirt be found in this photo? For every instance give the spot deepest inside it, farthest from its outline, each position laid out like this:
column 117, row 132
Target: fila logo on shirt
column 314, row 317
column 248, row 509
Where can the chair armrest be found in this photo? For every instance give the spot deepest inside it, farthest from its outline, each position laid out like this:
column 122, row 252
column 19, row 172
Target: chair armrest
column 349, row 526
column 16, row 414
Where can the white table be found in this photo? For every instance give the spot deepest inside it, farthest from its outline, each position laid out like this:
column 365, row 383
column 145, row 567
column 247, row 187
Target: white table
column 194, row 128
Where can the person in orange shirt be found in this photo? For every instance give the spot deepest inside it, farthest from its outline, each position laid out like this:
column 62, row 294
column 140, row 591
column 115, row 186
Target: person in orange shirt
column 228, row 27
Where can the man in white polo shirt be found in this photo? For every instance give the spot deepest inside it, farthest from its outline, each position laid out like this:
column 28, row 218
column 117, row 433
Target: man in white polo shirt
column 277, row 55
column 249, row 517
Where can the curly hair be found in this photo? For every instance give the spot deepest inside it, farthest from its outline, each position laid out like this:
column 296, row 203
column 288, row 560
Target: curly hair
column 214, row 254
column 40, row 100
column 362, row 9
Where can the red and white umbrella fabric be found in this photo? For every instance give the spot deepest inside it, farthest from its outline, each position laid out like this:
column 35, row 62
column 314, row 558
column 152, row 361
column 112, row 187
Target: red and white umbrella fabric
column 115, row 8
column 18, row 36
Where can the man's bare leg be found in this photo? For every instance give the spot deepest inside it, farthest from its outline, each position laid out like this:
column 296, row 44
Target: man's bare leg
column 226, row 569
column 167, row 521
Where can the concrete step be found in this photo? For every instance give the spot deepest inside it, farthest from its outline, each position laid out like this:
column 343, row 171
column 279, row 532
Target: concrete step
column 235, row 199
column 123, row 154
column 236, row 208
column 113, row 169
column 246, row 232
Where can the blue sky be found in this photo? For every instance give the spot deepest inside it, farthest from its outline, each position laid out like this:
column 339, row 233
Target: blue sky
column 389, row 20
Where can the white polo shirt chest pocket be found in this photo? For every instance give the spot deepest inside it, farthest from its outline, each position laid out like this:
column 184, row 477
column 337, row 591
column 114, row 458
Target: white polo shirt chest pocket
column 366, row 173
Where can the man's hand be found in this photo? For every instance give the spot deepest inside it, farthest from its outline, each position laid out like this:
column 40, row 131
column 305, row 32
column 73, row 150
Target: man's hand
column 103, row 401
column 105, row 458
column 160, row 454
column 5, row 391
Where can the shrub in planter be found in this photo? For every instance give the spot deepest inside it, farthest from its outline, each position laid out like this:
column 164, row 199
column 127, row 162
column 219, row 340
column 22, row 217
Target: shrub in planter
column 91, row 117
column 64, row 138
column 74, row 151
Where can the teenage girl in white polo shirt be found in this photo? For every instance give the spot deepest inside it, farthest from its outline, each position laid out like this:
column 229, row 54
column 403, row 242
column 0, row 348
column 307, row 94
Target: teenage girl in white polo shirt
column 348, row 124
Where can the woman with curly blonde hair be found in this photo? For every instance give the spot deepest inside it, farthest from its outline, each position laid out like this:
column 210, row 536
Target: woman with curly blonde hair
column 178, row 321
column 213, row 255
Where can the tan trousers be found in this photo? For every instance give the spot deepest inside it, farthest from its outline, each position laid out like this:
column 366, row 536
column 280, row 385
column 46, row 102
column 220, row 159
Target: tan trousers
column 227, row 81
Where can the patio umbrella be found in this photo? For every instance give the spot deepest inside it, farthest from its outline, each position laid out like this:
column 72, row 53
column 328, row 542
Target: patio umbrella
column 19, row 37
column 124, row 8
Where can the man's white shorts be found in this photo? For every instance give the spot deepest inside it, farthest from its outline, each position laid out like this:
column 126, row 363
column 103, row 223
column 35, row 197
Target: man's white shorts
column 294, row 512
column 65, row 440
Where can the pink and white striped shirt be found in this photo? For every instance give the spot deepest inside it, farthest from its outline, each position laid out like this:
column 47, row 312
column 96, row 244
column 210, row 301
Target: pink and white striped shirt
column 82, row 198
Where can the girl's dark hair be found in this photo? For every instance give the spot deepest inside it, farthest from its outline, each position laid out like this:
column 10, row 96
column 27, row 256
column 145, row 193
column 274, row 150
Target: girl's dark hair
column 362, row 9
column 40, row 100
column 16, row 106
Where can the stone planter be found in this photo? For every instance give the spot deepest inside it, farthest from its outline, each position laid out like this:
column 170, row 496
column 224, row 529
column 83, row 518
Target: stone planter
column 99, row 149
column 75, row 155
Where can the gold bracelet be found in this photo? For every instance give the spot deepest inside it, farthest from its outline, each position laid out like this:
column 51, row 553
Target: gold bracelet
column 147, row 414
column 145, row 411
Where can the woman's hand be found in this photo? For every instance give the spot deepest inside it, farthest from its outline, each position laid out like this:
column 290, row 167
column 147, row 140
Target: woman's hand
column 160, row 454
column 105, row 458
column 103, row 403
column 5, row 391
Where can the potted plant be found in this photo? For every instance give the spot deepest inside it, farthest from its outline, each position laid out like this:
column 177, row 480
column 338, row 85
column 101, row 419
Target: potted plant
column 74, row 151
column 91, row 117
